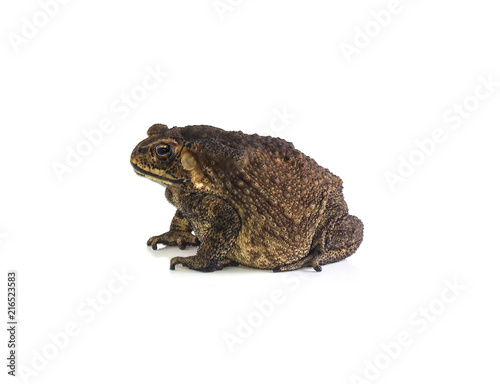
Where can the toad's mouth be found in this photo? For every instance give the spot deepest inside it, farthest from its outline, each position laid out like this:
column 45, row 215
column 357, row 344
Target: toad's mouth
column 160, row 179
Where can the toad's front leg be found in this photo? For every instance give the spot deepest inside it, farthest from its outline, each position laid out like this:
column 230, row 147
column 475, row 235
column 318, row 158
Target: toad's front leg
column 216, row 225
column 179, row 234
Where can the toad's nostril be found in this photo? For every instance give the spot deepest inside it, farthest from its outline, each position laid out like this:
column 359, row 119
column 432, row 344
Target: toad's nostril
column 135, row 154
column 139, row 150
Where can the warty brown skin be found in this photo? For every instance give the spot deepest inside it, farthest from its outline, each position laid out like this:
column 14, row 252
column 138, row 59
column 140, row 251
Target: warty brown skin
column 249, row 199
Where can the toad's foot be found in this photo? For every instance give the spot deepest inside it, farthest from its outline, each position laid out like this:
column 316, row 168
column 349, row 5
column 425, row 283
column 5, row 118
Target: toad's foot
column 199, row 264
column 172, row 238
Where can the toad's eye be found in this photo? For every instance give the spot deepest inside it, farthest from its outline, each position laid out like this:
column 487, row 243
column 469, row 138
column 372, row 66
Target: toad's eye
column 163, row 151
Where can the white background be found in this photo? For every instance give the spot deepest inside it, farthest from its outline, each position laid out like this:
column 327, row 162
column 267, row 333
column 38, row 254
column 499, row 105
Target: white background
column 238, row 69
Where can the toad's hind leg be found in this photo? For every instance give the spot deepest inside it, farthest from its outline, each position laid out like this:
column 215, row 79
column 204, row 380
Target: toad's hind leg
column 339, row 239
column 342, row 238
